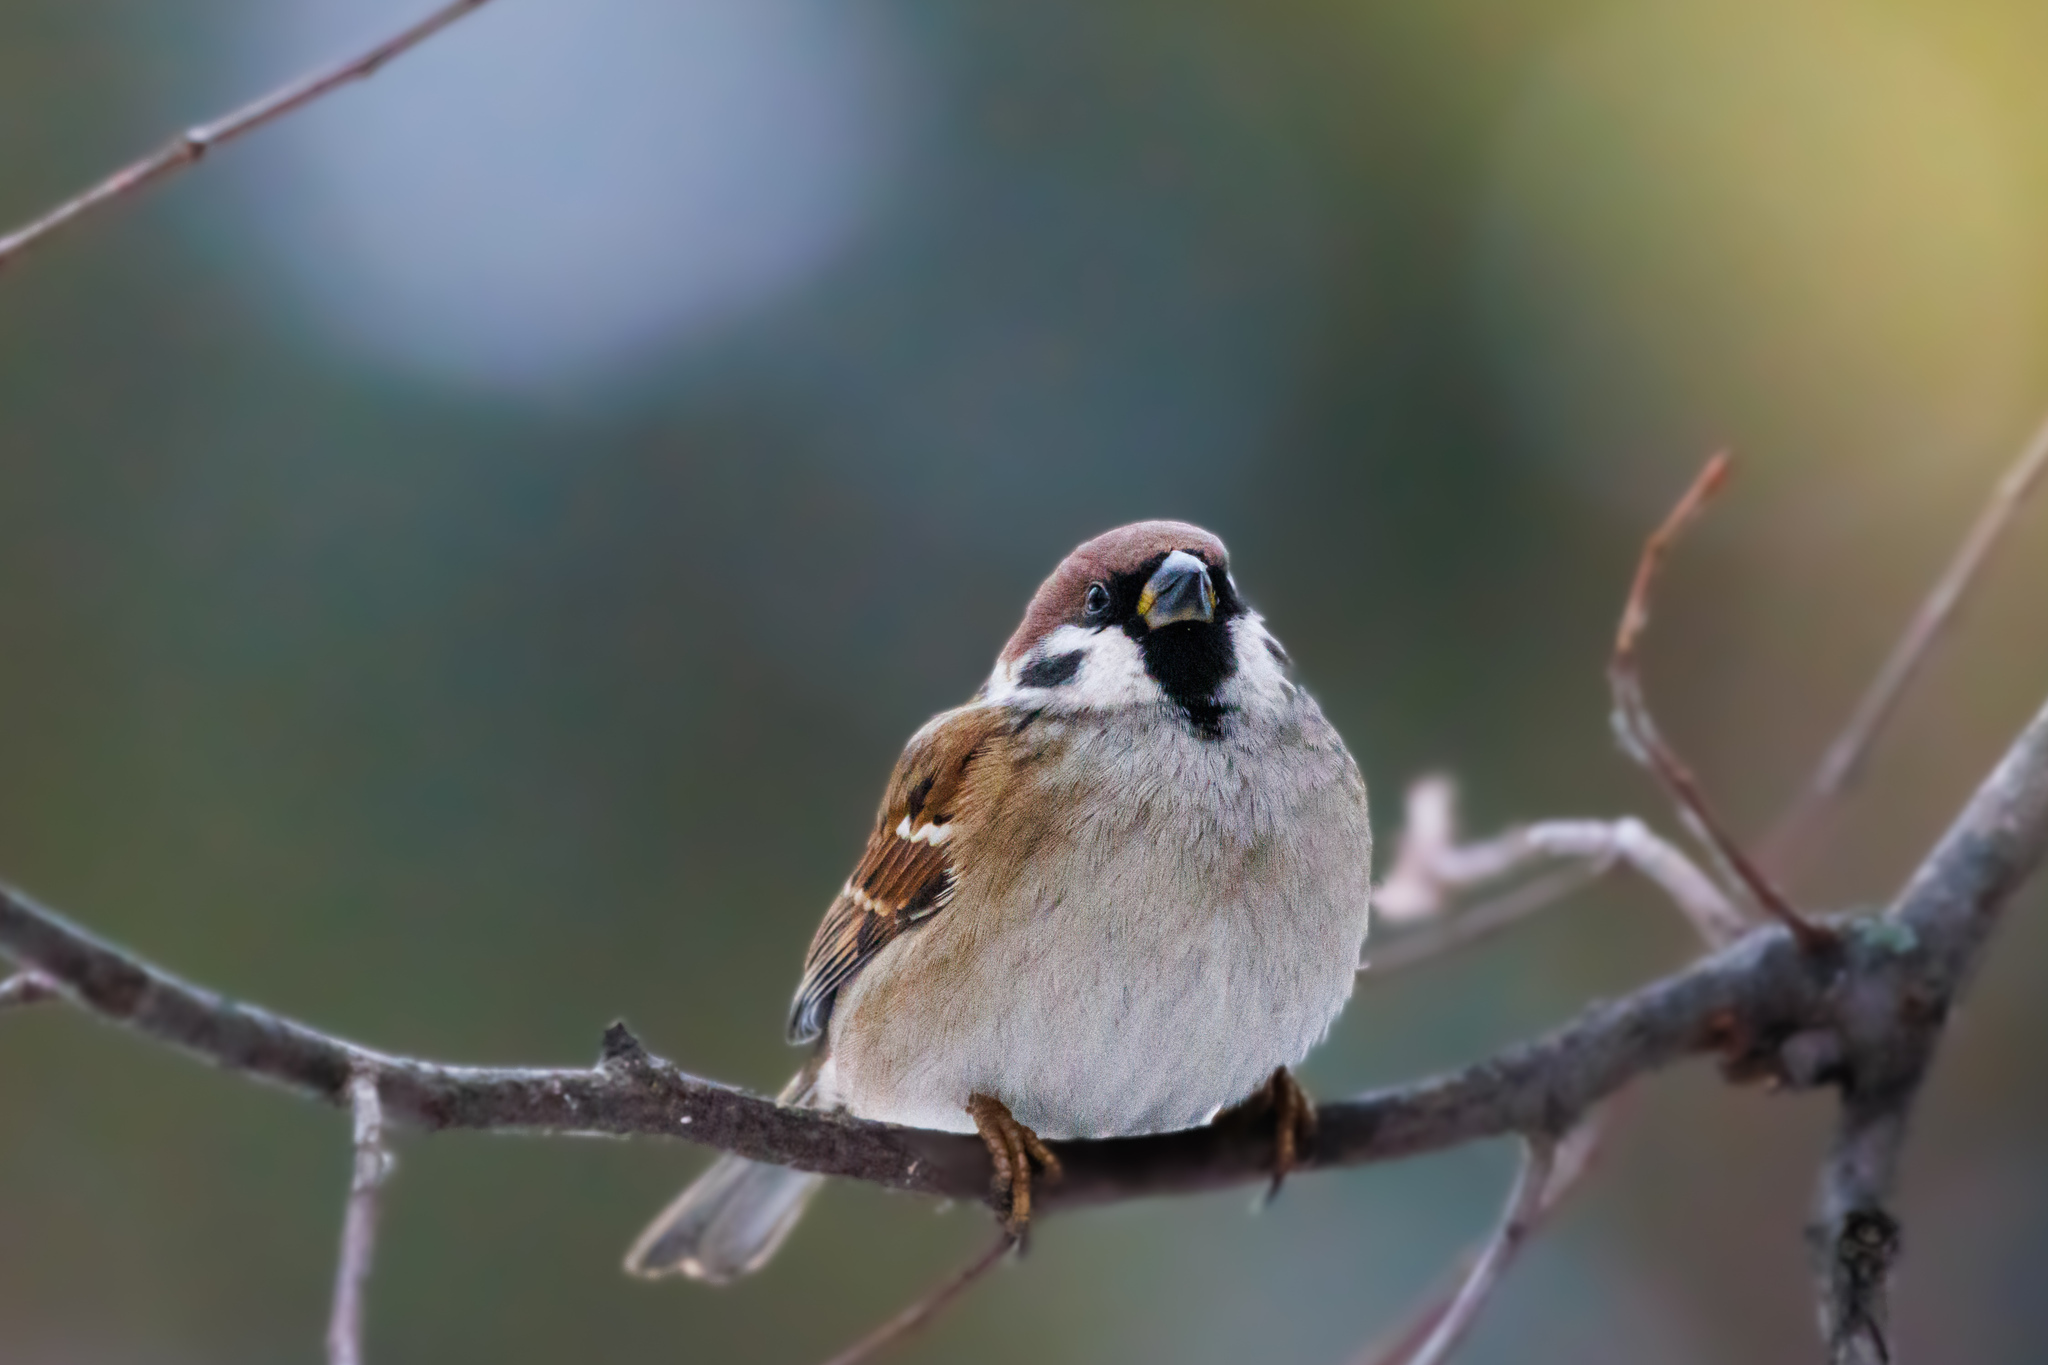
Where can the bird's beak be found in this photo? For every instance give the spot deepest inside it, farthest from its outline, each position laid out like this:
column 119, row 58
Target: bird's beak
column 1179, row 591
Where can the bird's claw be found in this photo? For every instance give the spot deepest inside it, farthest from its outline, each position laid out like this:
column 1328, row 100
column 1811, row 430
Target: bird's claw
column 1013, row 1149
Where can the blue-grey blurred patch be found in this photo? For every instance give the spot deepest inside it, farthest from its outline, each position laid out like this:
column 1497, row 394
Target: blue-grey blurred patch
column 942, row 327
column 543, row 196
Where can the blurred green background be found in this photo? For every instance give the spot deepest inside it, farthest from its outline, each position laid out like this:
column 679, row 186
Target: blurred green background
column 469, row 556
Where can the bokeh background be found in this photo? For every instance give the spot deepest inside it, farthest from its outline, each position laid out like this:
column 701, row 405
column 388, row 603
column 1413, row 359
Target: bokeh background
column 469, row 556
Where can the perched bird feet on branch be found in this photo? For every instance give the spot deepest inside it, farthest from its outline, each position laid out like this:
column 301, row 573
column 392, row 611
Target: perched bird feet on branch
column 1012, row 1148
column 1294, row 1121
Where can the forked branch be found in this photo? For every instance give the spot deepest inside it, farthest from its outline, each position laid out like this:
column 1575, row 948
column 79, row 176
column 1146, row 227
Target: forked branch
column 1432, row 868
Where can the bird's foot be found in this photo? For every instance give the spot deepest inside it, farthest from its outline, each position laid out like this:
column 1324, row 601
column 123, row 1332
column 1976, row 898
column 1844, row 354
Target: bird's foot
column 1294, row 1121
column 1013, row 1149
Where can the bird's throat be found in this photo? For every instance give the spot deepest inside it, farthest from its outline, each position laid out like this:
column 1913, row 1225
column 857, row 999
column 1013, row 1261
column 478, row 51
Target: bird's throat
column 1190, row 661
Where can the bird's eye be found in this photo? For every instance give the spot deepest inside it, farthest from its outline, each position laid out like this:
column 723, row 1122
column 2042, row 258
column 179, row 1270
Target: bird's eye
column 1097, row 601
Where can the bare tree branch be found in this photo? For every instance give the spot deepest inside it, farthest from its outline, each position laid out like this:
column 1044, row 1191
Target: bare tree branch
column 926, row 1308
column 192, row 144
column 371, row 1168
column 1639, row 735
column 1843, row 762
column 1535, row 1086
column 1744, row 1003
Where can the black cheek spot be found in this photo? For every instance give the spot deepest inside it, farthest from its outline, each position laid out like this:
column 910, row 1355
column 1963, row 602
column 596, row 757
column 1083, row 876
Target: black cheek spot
column 1060, row 668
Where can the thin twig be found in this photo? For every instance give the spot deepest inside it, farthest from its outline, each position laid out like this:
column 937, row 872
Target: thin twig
column 1638, row 731
column 1575, row 1157
column 1431, row 859
column 26, row 988
column 189, row 146
column 1843, row 762
column 1524, row 1208
column 1431, row 866
column 926, row 1308
column 359, row 1224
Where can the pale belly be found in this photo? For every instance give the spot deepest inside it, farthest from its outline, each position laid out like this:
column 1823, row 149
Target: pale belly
column 1152, row 964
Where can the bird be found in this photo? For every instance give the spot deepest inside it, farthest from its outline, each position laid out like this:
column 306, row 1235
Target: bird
column 1122, row 889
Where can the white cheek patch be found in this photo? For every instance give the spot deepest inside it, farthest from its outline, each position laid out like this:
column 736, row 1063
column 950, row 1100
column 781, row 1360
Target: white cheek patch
column 1259, row 675
column 1111, row 673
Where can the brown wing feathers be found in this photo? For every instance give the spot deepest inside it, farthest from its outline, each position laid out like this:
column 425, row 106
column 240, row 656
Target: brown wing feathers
column 906, row 873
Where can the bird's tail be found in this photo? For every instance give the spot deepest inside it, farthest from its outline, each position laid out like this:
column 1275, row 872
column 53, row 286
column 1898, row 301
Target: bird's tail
column 731, row 1218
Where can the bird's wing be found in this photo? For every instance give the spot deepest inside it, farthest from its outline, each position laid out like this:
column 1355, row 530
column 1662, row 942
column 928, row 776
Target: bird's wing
column 905, row 876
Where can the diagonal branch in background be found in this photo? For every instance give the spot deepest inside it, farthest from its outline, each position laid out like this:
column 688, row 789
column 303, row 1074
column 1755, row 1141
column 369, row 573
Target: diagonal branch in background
column 921, row 1312
column 1839, row 767
column 189, row 146
column 1448, row 1314
column 1638, row 733
column 1524, row 1211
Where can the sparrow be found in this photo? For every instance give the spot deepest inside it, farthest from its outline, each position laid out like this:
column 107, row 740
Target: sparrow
column 1122, row 888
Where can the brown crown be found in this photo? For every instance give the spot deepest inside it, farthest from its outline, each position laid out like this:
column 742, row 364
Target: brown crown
column 1059, row 599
